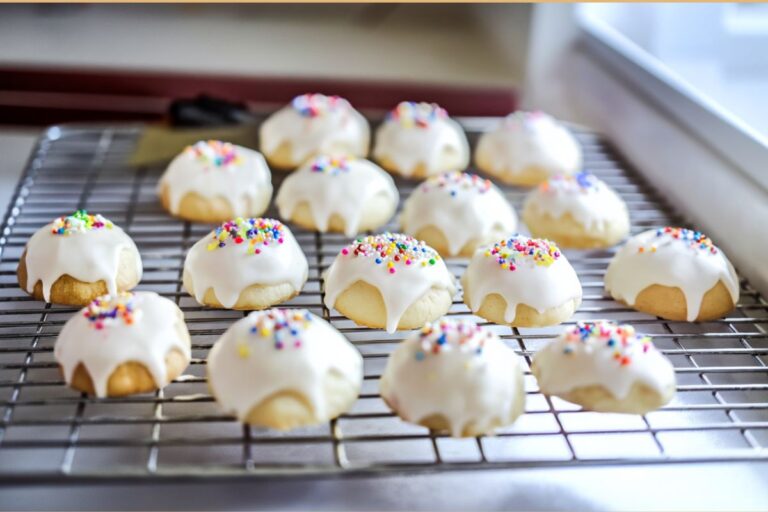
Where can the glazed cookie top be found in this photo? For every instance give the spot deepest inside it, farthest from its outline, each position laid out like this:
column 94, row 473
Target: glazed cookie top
column 456, row 369
column 530, row 139
column 316, row 123
column 83, row 246
column 140, row 327
column 602, row 353
column 399, row 266
column 674, row 257
column 279, row 350
column 212, row 168
column 462, row 206
column 584, row 196
column 243, row 252
column 335, row 185
column 522, row 270
column 420, row 133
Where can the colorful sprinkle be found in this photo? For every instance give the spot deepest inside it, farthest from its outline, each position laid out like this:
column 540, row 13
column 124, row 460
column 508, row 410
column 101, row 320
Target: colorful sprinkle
column 284, row 327
column 456, row 182
column 314, row 105
column 411, row 114
column 392, row 250
column 106, row 309
column 526, row 120
column 79, row 222
column 257, row 233
column 450, row 335
column 510, row 253
column 583, row 182
column 620, row 340
column 333, row 165
column 694, row 239
column 214, row 153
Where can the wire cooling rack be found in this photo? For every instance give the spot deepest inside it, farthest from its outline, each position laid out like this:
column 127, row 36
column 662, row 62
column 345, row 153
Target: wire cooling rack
column 49, row 432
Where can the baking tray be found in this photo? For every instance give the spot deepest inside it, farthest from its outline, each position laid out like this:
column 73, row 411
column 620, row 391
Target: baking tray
column 50, row 433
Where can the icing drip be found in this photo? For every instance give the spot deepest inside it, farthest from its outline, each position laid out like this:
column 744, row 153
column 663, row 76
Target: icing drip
column 602, row 353
column 340, row 186
column 316, row 124
column 421, row 133
column 523, row 271
column 462, row 206
column 671, row 257
column 140, row 327
column 399, row 266
column 455, row 369
column 586, row 198
column 85, row 247
column 219, row 169
column 244, row 252
column 279, row 350
column 530, row 139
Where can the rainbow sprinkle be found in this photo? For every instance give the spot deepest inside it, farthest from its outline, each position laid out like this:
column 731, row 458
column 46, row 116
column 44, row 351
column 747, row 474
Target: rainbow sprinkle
column 694, row 239
column 583, row 182
column 455, row 182
column 259, row 233
column 509, row 253
column 411, row 114
column 622, row 340
column 523, row 119
column 391, row 250
column 445, row 335
column 214, row 153
column 79, row 222
column 333, row 165
column 284, row 327
column 106, row 309
column 314, row 105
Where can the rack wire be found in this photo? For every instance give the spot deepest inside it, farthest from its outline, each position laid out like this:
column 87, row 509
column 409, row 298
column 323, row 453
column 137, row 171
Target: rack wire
column 49, row 432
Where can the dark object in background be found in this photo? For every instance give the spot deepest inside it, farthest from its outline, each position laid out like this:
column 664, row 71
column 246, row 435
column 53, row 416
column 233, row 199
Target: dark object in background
column 205, row 110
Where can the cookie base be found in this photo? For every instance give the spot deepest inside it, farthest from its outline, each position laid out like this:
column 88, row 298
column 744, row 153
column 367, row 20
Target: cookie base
column 377, row 212
column 282, row 158
column 254, row 297
column 529, row 176
column 196, row 208
column 363, row 304
column 420, row 170
column 669, row 303
column 73, row 292
column 435, row 238
column 570, row 234
column 494, row 306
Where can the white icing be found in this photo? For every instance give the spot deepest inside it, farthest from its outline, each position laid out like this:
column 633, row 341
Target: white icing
column 337, row 129
column 540, row 287
column 526, row 139
column 473, row 378
column 241, row 182
column 343, row 188
column 231, row 269
column 463, row 206
column 399, row 290
column 408, row 144
column 669, row 261
column 581, row 356
column 590, row 202
column 86, row 255
column 246, row 367
column 147, row 340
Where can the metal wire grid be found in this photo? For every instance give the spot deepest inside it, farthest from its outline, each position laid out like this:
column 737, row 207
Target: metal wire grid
column 49, row 432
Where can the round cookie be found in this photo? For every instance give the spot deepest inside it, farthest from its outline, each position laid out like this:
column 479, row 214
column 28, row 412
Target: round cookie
column 673, row 273
column 522, row 282
column 245, row 264
column 454, row 376
column 133, row 342
column 284, row 368
column 419, row 139
column 389, row 281
column 338, row 194
column 605, row 367
column 577, row 212
column 456, row 212
column 526, row 148
column 77, row 258
column 213, row 181
column 312, row 125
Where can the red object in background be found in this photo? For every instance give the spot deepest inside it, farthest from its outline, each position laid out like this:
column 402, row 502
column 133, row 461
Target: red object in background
column 33, row 96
